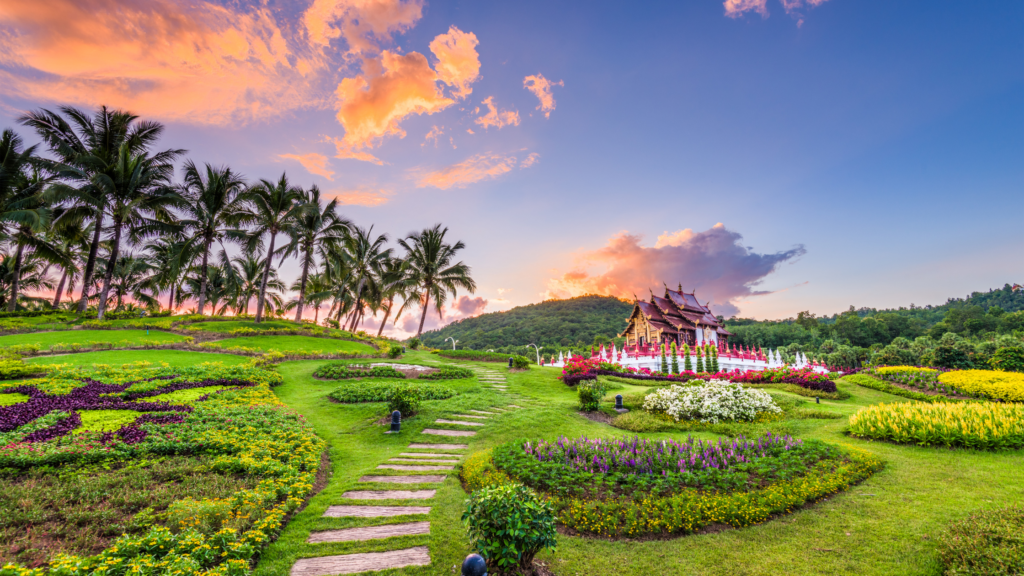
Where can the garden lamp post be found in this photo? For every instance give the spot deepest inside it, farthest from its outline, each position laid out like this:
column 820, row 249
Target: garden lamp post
column 454, row 341
column 537, row 350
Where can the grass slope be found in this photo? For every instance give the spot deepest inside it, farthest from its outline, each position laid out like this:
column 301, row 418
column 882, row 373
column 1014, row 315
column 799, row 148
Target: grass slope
column 46, row 340
column 295, row 343
column 886, row 525
column 118, row 357
column 227, row 326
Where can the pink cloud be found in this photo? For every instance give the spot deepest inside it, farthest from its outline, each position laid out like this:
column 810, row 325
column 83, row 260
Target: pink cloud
column 462, row 308
column 458, row 64
column 541, row 88
column 737, row 8
column 496, row 118
column 530, row 160
column 364, row 24
column 479, row 167
column 313, row 163
column 364, row 197
column 713, row 262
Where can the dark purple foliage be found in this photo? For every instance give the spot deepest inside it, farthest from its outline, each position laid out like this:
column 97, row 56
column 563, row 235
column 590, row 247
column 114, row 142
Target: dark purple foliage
column 59, row 429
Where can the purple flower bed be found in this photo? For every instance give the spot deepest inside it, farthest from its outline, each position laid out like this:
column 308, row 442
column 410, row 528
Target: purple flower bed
column 639, row 456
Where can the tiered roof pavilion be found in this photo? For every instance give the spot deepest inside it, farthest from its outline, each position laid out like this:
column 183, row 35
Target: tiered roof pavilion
column 677, row 317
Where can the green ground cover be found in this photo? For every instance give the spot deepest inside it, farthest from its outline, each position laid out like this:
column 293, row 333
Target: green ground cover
column 46, row 340
column 889, row 524
column 105, row 420
column 12, row 398
column 294, row 343
column 119, row 357
column 187, row 396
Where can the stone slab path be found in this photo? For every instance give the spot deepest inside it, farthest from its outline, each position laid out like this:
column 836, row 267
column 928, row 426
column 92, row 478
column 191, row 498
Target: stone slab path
column 413, row 468
column 475, row 417
column 355, row 563
column 420, row 461
column 429, row 455
column 459, row 422
column 370, row 532
column 421, row 479
column 436, row 432
column 439, row 446
column 374, row 511
column 482, row 412
column 389, row 494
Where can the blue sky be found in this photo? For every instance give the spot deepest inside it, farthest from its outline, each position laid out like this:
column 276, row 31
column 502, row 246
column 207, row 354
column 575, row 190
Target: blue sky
column 884, row 138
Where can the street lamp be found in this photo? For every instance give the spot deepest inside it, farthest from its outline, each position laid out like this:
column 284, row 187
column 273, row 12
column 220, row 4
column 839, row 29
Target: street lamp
column 454, row 341
column 538, row 352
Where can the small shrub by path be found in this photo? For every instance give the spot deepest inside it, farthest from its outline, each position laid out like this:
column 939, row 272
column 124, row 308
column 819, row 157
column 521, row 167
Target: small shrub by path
column 980, row 425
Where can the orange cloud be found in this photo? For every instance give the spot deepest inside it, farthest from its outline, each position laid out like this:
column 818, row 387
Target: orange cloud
column 541, row 88
column 313, row 163
column 361, row 197
column 529, row 160
column 371, row 105
column 737, row 8
column 200, row 62
column 713, row 262
column 458, row 64
column 496, row 118
column 433, row 134
column 473, row 169
column 364, row 24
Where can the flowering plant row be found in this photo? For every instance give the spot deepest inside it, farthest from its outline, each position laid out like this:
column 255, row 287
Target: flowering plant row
column 588, row 369
column 712, row 401
column 981, row 425
column 244, row 429
column 992, row 384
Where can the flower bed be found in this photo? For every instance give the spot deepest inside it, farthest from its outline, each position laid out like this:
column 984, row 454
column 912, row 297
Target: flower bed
column 347, row 371
column 384, row 391
column 244, row 430
column 712, row 402
column 477, row 355
column 980, row 425
column 636, row 487
column 447, row 373
column 1008, row 386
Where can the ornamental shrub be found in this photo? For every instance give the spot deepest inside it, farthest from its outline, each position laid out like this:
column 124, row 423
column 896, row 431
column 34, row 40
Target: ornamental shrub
column 338, row 371
column 520, row 362
column 985, row 543
column 414, row 343
column 713, row 401
column 1008, row 386
column 383, row 391
column 508, row 525
column 394, row 350
column 664, row 360
column 448, row 373
column 405, row 399
column 687, row 363
column 700, row 361
column 590, row 394
column 978, row 425
column 1008, row 359
column 675, row 359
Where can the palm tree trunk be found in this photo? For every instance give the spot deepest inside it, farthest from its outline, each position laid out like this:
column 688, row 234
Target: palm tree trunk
column 316, row 316
column 90, row 264
column 426, row 302
column 109, row 275
column 387, row 312
column 60, row 289
column 14, row 283
column 302, row 286
column 170, row 299
column 266, row 278
column 204, row 271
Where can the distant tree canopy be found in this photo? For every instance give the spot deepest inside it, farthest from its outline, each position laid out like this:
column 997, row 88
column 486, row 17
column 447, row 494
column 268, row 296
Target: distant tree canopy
column 554, row 324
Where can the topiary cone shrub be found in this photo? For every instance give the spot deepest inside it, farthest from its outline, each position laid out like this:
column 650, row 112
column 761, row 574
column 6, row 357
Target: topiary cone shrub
column 508, row 525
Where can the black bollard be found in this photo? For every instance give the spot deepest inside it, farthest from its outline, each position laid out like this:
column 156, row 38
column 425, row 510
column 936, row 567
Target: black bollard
column 618, row 401
column 474, row 565
column 817, row 400
column 396, row 421
column 509, row 361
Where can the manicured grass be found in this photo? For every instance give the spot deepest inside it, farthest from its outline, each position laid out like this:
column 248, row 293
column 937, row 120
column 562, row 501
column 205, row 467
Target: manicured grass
column 295, row 343
column 46, row 340
column 889, row 524
column 229, row 325
column 105, row 420
column 187, row 396
column 119, row 357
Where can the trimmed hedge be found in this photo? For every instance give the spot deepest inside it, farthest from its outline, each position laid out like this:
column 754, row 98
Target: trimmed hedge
column 478, row 356
column 882, row 386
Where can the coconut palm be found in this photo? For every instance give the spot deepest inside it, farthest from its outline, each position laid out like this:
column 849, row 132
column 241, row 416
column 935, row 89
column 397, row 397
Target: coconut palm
column 431, row 270
column 209, row 198
column 32, row 278
column 315, row 228
column 165, row 255
column 394, row 283
column 132, row 277
column 268, row 208
column 86, row 151
column 365, row 257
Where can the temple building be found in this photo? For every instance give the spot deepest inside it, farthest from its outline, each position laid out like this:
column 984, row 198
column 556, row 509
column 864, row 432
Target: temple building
column 678, row 317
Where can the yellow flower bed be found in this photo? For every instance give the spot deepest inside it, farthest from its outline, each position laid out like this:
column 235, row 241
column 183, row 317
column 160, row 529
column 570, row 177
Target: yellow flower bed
column 982, row 425
column 902, row 369
column 1007, row 386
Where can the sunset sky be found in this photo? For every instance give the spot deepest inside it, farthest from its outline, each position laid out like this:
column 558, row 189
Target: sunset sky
column 775, row 155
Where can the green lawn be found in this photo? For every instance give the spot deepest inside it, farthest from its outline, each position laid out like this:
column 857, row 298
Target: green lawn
column 229, row 325
column 295, row 343
column 118, row 357
column 889, row 524
column 46, row 340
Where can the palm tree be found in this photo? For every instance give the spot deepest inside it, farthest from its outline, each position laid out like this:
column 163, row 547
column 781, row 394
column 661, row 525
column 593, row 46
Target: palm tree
column 132, row 276
column 209, row 199
column 394, row 283
column 138, row 194
column 71, row 239
column 431, row 270
column 364, row 256
column 32, row 278
column 165, row 254
column 269, row 209
column 316, row 227
column 86, row 150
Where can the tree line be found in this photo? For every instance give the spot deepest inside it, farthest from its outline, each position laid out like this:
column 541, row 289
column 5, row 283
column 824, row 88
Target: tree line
column 101, row 211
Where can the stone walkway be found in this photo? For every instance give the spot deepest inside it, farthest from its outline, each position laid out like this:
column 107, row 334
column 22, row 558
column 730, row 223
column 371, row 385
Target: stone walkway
column 408, row 468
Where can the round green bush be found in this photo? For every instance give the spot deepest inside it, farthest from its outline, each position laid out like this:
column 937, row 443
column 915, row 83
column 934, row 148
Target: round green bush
column 590, row 394
column 339, row 371
column 448, row 373
column 520, row 362
column 1008, row 359
column 405, row 399
column 414, row 344
column 508, row 525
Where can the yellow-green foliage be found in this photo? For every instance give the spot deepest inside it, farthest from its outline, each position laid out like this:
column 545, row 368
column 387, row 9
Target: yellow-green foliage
column 478, row 472
column 13, row 398
column 105, row 420
column 902, row 369
column 983, row 425
column 1007, row 386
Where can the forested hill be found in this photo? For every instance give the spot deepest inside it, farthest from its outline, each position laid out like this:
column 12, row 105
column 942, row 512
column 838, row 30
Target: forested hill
column 553, row 323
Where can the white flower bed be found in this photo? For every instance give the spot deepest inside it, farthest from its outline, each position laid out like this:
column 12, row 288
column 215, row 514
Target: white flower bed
column 713, row 401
